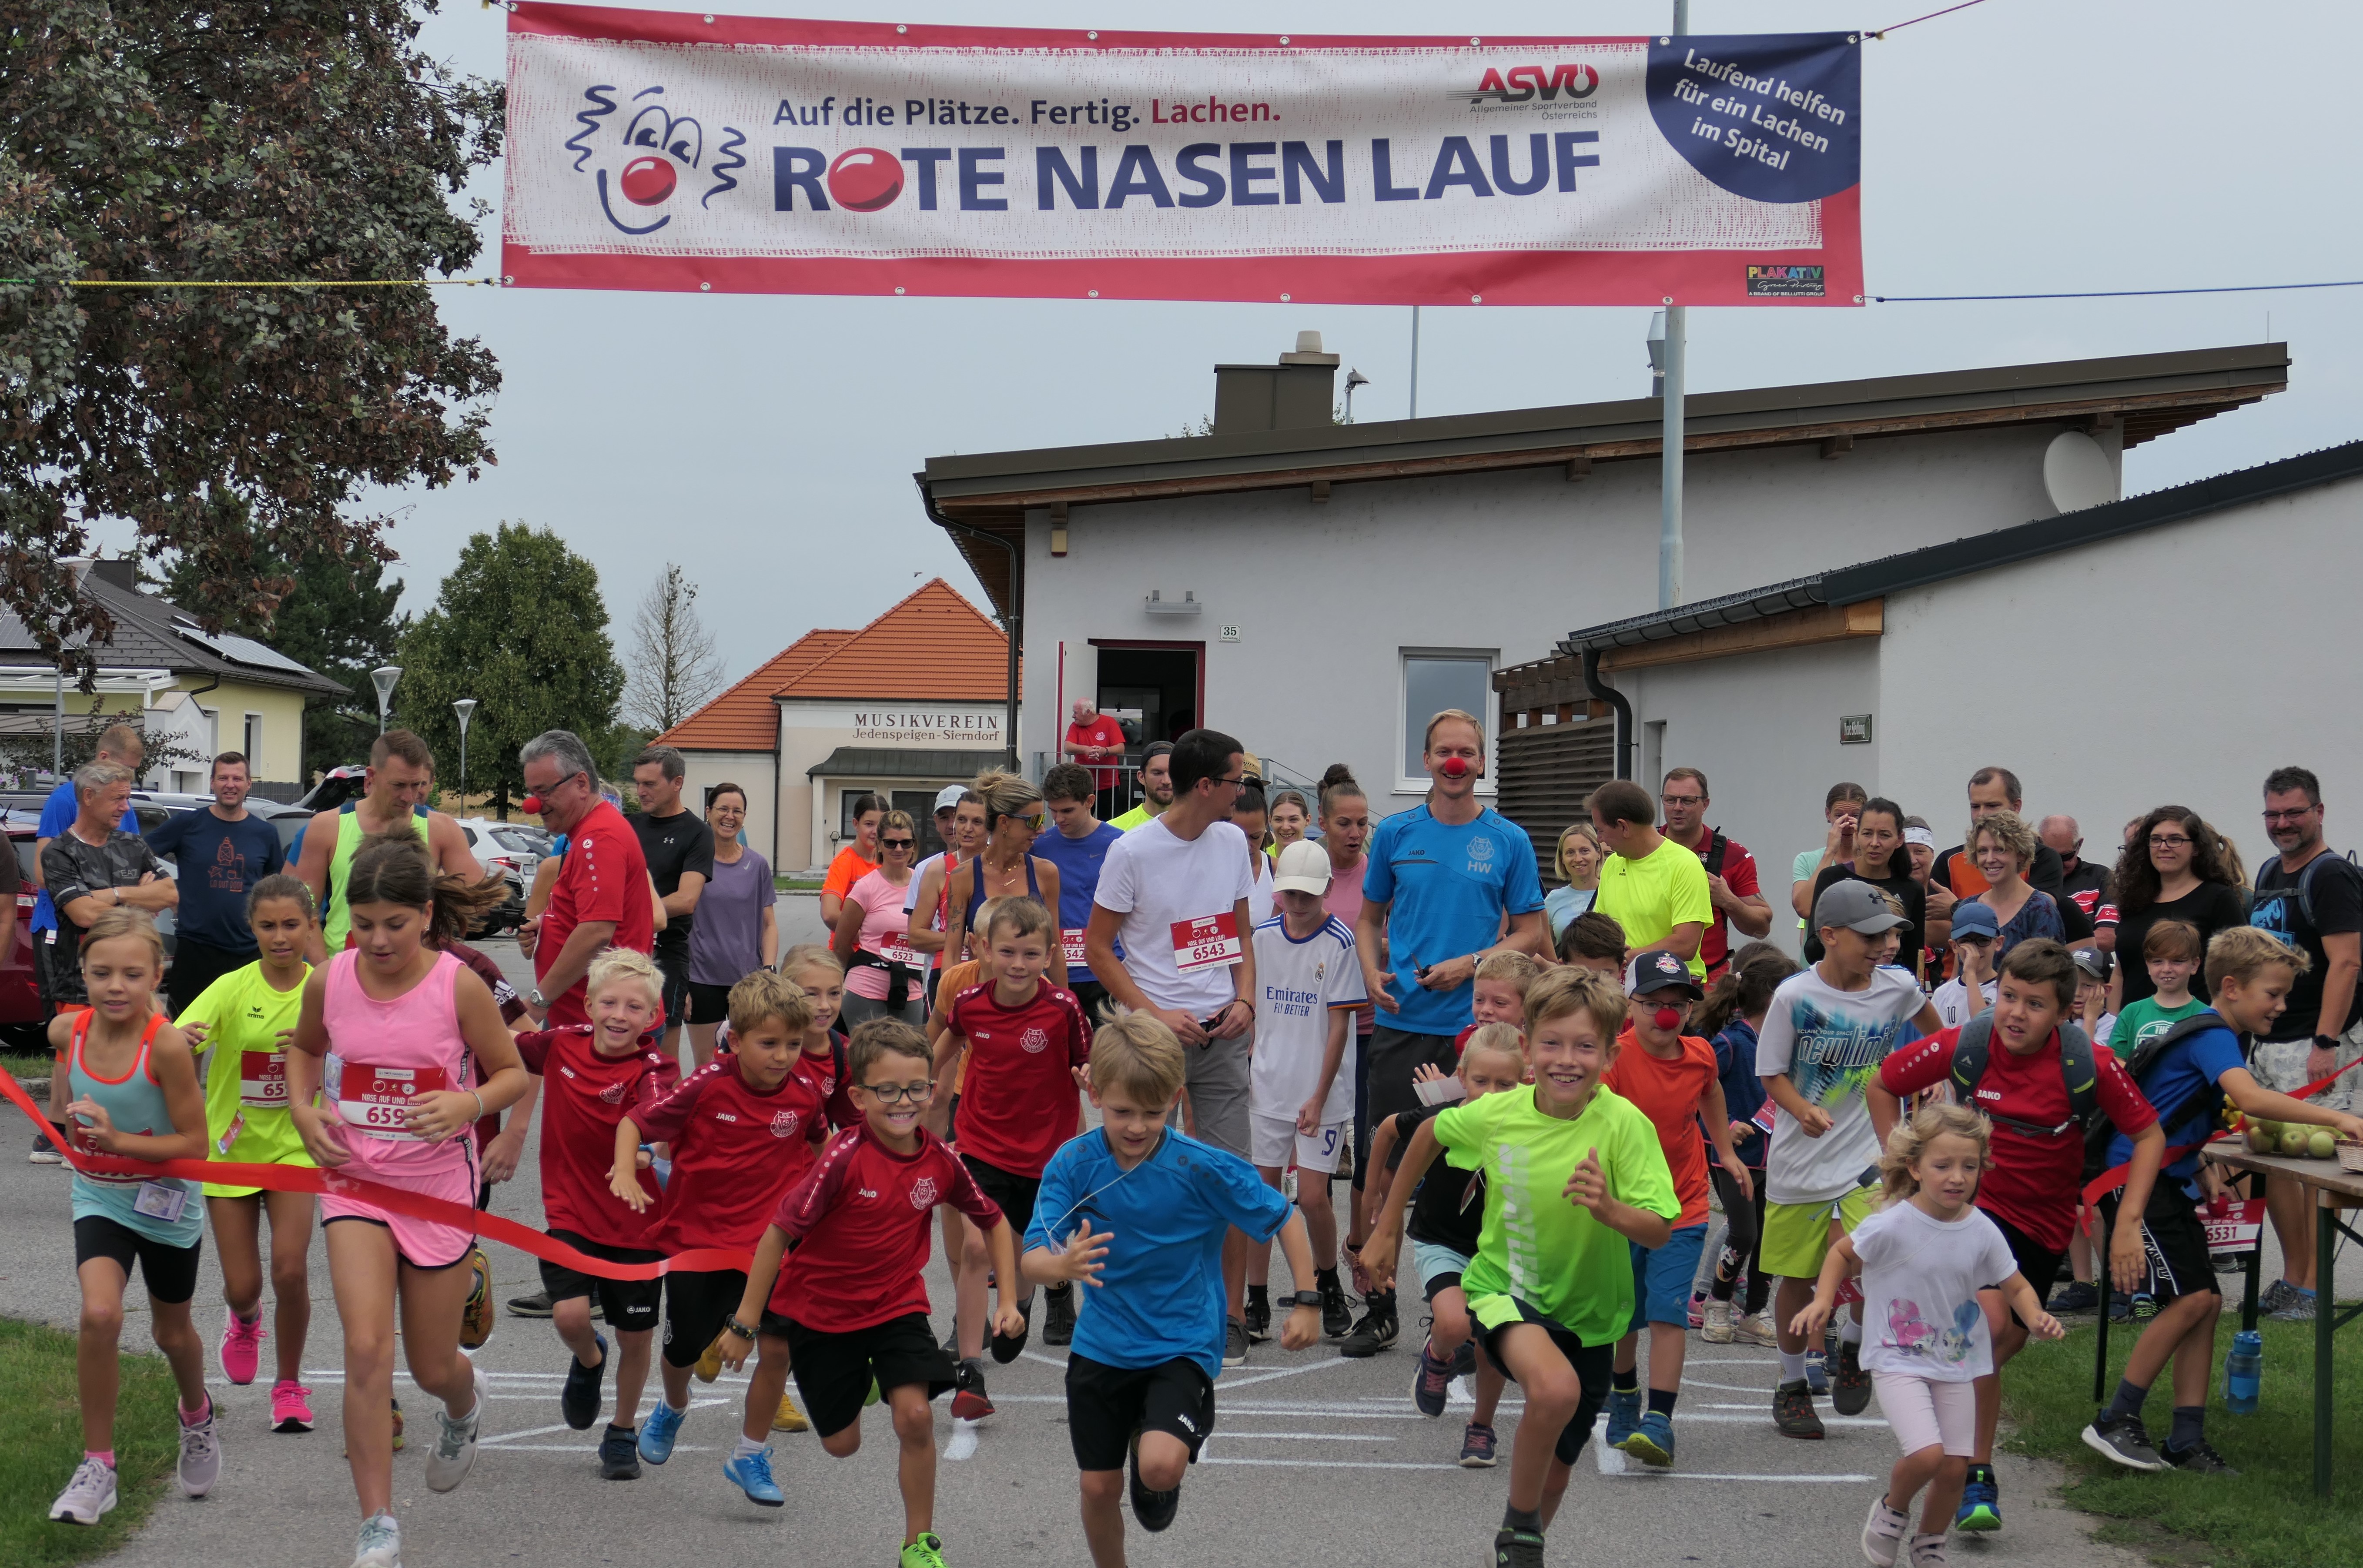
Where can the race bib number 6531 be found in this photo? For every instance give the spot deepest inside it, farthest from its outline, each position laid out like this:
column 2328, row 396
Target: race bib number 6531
column 1206, row 942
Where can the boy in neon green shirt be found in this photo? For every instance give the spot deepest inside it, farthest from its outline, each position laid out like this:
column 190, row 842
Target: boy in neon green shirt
column 1573, row 1173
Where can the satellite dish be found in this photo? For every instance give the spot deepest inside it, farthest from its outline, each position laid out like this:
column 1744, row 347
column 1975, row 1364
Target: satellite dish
column 2077, row 473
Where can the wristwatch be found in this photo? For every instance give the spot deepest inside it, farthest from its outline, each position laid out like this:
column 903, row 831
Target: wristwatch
column 1306, row 1298
column 739, row 1328
column 535, row 999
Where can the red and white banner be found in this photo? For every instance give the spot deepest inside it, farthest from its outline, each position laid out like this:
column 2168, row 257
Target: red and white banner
column 651, row 149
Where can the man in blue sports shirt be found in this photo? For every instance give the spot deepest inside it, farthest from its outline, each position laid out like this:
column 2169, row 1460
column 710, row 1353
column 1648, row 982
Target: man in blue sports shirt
column 1443, row 879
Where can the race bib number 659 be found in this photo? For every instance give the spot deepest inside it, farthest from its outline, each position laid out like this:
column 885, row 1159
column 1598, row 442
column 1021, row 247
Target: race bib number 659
column 1206, row 942
column 377, row 1101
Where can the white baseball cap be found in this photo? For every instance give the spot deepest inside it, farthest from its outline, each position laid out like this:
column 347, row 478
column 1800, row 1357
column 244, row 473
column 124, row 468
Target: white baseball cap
column 949, row 796
column 1303, row 867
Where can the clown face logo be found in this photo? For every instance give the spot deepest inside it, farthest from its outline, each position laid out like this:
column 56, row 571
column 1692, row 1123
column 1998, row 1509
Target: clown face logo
column 640, row 156
column 923, row 1193
column 1034, row 1041
column 784, row 1123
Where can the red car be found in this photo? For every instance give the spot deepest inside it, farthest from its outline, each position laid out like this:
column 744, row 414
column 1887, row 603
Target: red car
column 20, row 999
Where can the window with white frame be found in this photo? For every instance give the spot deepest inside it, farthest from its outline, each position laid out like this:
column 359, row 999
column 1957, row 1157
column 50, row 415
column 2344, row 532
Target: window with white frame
column 1432, row 680
column 253, row 747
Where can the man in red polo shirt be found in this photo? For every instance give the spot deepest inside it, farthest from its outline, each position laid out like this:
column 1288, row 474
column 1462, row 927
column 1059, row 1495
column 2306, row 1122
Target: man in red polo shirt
column 1730, row 869
column 1093, row 739
column 603, row 898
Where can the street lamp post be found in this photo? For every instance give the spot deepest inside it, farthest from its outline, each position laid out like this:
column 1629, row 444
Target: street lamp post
column 382, row 678
column 466, row 708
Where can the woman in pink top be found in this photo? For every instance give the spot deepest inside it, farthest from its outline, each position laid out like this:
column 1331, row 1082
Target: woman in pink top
column 882, row 971
column 405, row 1032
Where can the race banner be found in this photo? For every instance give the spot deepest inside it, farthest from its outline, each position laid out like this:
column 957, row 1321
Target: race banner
column 653, row 150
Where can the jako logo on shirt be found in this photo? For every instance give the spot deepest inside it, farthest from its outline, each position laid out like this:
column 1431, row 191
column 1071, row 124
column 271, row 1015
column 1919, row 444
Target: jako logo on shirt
column 784, row 1123
column 1034, row 1041
column 923, row 1192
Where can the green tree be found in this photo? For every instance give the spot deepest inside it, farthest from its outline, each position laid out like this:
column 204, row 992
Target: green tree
column 338, row 617
column 518, row 625
column 208, row 139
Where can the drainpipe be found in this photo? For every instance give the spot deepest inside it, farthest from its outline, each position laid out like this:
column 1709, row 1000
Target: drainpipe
column 1012, row 619
column 200, row 691
column 1622, row 711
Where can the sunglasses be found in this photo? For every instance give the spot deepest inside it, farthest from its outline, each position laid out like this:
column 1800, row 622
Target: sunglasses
column 894, row 842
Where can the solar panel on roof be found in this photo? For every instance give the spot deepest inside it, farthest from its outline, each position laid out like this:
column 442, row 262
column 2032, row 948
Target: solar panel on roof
column 244, row 650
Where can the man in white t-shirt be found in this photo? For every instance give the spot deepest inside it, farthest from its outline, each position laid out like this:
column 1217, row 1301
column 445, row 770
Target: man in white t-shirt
column 1173, row 892
column 1828, row 1029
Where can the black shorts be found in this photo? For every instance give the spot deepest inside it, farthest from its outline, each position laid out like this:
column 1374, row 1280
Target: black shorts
column 1593, row 1365
column 696, row 1304
column 674, row 967
column 708, row 1004
column 2038, row 1262
column 170, row 1272
column 195, row 966
column 1014, row 1193
column 1392, row 1056
column 1106, row 1404
column 2174, row 1241
column 834, row 1370
column 630, row 1304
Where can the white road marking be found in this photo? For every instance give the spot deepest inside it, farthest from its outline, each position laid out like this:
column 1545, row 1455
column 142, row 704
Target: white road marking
column 963, row 1441
column 499, row 1438
column 1304, row 1437
column 1327, row 1463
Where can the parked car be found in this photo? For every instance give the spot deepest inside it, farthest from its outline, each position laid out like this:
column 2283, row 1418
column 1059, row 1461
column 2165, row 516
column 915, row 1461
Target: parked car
column 506, row 848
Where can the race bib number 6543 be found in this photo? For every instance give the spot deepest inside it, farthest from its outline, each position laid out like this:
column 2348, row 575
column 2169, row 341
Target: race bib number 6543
column 1206, row 942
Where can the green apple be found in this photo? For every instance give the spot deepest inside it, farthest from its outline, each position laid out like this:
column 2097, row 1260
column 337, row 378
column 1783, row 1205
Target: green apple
column 2320, row 1144
column 2294, row 1141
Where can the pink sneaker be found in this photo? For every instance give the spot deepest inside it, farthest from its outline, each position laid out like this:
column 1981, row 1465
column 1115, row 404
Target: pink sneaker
column 290, row 1407
column 240, row 1343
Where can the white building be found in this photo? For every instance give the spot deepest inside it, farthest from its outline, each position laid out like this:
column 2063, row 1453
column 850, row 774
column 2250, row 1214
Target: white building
column 1318, row 589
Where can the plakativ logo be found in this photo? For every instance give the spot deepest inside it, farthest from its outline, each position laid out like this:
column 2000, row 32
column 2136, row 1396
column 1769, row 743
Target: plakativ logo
column 643, row 158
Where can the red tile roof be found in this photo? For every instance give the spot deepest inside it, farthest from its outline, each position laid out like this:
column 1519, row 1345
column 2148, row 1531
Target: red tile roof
column 934, row 646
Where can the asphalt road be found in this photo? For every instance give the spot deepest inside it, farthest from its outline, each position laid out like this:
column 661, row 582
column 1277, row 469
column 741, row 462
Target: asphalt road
column 1313, row 1455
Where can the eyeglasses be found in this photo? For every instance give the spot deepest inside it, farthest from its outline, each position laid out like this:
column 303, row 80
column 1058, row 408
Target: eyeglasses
column 1683, row 800
column 2296, row 816
column 2168, row 841
column 894, row 843
column 898, row 1094
column 1236, row 780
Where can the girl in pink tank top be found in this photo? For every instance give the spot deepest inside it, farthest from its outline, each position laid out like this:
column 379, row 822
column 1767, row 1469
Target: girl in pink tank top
column 398, row 1052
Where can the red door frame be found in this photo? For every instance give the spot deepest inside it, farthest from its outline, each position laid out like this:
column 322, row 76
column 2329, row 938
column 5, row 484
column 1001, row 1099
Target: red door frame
column 1197, row 649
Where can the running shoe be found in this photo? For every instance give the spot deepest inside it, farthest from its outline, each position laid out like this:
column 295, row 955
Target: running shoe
column 1517, row 1547
column 1928, row 1551
column 752, row 1475
column 1058, row 1315
column 1151, row 1510
column 1429, row 1384
column 927, row 1551
column 2125, row 1439
column 2075, row 1295
column 46, row 1153
column 709, row 1365
column 1817, row 1373
column 658, row 1432
column 290, row 1407
column 1757, row 1328
column 200, row 1465
column 1336, row 1316
column 787, row 1418
column 537, row 1305
column 970, row 1402
column 454, row 1453
column 1464, row 1360
column 1476, row 1445
column 379, row 1544
column 1375, row 1331
column 620, row 1453
column 1698, row 1309
column 1792, row 1410
column 1007, row 1348
column 2297, row 1309
column 476, row 1319
column 1234, row 1342
column 1882, row 1533
column 1652, row 1443
column 2121, row 1309
column 579, row 1400
column 1981, row 1510
column 2145, row 1307
column 89, row 1497
column 241, row 1345
column 2199, row 1459
column 1623, row 1415
column 1850, row 1391
column 1256, row 1319
column 1714, row 1324
column 2275, row 1296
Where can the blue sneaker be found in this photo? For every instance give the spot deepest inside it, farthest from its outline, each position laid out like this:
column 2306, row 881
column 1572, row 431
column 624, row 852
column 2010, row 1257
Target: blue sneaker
column 1980, row 1501
column 752, row 1475
column 1432, row 1383
column 1652, row 1441
column 1624, row 1415
column 1817, row 1374
column 658, row 1432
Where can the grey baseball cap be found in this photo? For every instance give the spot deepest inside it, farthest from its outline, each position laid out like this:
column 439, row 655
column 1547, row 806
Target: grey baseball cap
column 1857, row 906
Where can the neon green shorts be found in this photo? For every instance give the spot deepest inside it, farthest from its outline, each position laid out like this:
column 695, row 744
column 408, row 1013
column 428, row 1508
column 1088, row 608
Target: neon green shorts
column 1797, row 1235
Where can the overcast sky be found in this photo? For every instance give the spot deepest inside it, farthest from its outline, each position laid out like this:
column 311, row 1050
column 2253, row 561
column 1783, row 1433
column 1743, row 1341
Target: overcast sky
column 766, row 442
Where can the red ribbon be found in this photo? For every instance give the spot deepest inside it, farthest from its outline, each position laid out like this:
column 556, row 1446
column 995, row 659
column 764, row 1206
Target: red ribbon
column 394, row 1199
column 2108, row 1181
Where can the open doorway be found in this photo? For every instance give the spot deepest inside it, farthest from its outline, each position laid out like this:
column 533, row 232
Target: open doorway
column 1157, row 690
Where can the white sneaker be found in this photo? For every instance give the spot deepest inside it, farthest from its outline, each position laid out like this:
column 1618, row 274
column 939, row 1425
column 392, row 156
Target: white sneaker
column 88, row 1497
column 1715, row 1327
column 1757, row 1330
column 380, row 1545
column 454, row 1453
column 200, row 1455
column 1882, row 1533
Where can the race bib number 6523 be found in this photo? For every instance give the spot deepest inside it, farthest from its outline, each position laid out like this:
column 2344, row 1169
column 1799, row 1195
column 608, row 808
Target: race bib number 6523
column 1206, row 942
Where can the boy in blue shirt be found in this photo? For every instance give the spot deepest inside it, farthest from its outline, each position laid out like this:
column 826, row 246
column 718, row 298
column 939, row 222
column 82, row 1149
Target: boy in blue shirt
column 2249, row 972
column 1139, row 1213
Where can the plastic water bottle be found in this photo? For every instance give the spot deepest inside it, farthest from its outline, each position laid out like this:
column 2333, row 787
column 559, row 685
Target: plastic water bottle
column 2244, row 1370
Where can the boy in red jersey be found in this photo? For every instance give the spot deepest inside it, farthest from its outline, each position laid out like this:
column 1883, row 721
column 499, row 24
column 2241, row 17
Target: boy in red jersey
column 742, row 1130
column 1024, row 1037
column 853, row 1309
column 593, row 1075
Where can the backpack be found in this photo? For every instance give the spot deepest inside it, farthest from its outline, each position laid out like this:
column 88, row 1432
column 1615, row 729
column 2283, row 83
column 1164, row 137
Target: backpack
column 2304, row 889
column 1973, row 1049
column 1718, row 850
column 2099, row 1131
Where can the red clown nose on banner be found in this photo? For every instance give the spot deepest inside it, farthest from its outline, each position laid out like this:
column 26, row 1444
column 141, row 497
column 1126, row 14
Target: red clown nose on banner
column 1668, row 1019
column 1453, row 768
